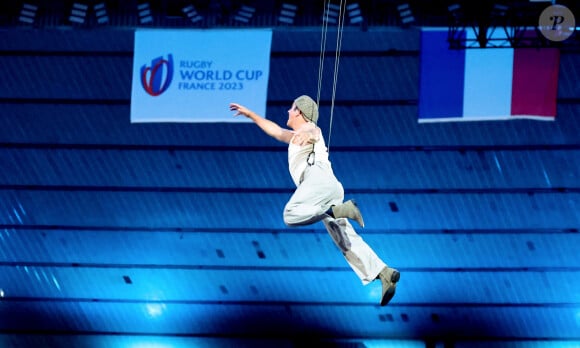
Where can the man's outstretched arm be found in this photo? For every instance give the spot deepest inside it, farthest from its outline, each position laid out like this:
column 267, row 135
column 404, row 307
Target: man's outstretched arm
column 269, row 127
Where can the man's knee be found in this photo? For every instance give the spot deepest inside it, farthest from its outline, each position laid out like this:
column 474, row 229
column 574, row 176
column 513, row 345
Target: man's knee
column 290, row 218
column 293, row 216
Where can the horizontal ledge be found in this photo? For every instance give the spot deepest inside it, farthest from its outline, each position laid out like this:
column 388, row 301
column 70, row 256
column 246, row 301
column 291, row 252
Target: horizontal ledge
column 399, row 305
column 127, row 101
column 300, row 231
column 284, row 190
column 215, row 268
column 283, row 148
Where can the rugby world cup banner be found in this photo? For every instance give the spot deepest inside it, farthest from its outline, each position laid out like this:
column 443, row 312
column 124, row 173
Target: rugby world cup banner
column 193, row 75
column 478, row 84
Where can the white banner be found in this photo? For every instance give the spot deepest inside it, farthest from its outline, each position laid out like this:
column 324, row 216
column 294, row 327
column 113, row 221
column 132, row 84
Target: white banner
column 192, row 75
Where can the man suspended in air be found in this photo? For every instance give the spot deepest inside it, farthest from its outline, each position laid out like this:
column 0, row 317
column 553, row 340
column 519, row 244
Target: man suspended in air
column 319, row 195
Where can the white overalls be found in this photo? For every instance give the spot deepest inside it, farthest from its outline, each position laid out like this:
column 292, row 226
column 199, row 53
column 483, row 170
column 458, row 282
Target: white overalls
column 317, row 190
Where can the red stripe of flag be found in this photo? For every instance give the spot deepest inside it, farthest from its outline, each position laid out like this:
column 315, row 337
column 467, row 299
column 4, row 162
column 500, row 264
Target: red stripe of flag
column 535, row 82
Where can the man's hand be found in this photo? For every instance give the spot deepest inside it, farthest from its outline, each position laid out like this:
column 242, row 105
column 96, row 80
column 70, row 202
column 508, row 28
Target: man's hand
column 269, row 127
column 240, row 110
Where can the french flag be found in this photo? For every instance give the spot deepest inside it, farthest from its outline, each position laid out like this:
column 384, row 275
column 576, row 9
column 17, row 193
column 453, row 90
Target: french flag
column 476, row 84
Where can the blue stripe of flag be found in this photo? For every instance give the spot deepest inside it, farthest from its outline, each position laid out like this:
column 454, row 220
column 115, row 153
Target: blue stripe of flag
column 442, row 77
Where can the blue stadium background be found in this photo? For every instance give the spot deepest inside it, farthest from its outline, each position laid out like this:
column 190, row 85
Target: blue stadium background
column 115, row 234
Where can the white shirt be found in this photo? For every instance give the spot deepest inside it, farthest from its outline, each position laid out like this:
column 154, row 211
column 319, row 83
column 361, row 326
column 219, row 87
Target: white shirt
column 298, row 155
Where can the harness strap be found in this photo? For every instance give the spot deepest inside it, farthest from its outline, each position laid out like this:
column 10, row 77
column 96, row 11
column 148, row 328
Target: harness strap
column 311, row 157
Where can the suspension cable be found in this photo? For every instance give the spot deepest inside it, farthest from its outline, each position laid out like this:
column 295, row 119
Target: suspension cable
column 336, row 64
column 341, row 17
column 322, row 49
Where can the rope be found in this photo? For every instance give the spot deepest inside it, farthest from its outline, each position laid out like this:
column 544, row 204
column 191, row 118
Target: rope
column 341, row 16
column 336, row 64
column 322, row 50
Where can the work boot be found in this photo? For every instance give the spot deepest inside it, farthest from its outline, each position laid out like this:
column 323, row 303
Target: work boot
column 389, row 278
column 350, row 210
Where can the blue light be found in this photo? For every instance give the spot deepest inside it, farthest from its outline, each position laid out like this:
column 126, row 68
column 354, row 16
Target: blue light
column 393, row 344
column 155, row 309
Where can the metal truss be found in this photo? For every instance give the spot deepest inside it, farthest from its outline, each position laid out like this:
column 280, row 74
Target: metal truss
column 500, row 27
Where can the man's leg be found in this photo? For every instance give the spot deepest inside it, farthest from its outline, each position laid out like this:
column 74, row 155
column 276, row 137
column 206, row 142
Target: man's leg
column 315, row 195
column 359, row 255
column 361, row 258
